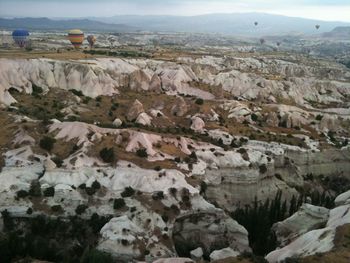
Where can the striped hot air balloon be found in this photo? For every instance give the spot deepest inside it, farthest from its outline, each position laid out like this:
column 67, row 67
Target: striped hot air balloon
column 76, row 37
column 91, row 39
column 20, row 36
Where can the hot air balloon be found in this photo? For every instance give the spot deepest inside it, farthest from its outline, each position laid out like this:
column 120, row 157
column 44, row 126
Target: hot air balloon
column 91, row 39
column 256, row 23
column 76, row 37
column 262, row 41
column 278, row 44
column 317, row 27
column 20, row 36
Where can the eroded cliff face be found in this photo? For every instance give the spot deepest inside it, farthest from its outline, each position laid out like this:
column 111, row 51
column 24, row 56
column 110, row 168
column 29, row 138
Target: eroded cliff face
column 167, row 150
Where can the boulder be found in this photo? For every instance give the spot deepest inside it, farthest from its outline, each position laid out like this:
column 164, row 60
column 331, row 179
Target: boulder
column 197, row 124
column 180, row 107
column 117, row 123
column 272, row 119
column 144, row 119
column 135, row 110
column 49, row 164
column 223, row 254
column 197, row 254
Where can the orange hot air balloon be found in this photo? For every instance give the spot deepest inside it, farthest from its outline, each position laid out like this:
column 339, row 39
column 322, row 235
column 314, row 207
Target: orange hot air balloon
column 76, row 37
column 91, row 39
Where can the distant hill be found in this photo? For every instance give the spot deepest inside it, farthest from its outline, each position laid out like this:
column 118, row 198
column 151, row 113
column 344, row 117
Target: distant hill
column 236, row 23
column 339, row 33
column 49, row 24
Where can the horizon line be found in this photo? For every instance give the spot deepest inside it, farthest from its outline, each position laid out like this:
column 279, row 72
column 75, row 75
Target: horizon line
column 172, row 15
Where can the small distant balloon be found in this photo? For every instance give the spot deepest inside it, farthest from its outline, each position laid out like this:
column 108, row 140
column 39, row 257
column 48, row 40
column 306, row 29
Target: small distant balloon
column 317, row 26
column 76, row 37
column 91, row 39
column 278, row 44
column 20, row 36
column 256, row 23
column 262, row 41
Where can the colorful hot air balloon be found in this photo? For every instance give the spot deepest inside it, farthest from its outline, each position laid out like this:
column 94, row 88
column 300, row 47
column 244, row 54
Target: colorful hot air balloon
column 317, row 27
column 76, row 37
column 256, row 23
column 20, row 36
column 91, row 39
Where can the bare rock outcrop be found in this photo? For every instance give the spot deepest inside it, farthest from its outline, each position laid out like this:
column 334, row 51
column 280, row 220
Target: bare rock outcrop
column 135, row 110
column 155, row 84
column 210, row 230
column 180, row 107
column 139, row 80
column 308, row 217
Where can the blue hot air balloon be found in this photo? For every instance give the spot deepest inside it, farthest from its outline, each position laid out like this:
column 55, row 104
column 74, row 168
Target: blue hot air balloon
column 20, row 36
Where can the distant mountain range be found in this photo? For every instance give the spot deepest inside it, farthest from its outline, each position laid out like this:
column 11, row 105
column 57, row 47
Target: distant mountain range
column 237, row 23
column 50, row 24
column 339, row 32
column 241, row 24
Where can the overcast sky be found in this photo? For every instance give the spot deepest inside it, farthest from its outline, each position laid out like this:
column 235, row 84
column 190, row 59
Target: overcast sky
column 331, row 10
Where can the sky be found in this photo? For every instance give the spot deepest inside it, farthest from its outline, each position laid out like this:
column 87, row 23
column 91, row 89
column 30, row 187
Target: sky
column 329, row 10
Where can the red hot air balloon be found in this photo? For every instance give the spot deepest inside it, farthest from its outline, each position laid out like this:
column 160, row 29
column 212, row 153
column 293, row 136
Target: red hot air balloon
column 91, row 39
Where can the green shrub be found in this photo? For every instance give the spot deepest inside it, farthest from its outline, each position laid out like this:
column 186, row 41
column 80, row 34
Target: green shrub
column 96, row 256
column 77, row 92
column 36, row 89
column 262, row 168
column 158, row 195
column 107, row 155
column 22, row 194
column 118, row 203
column 58, row 161
column 319, row 117
column 81, row 209
column 90, row 190
column 254, row 117
column 142, row 152
column 47, row 143
column 50, row 191
column 57, row 208
column 96, row 185
column 128, row 191
column 199, row 101
column 35, row 189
